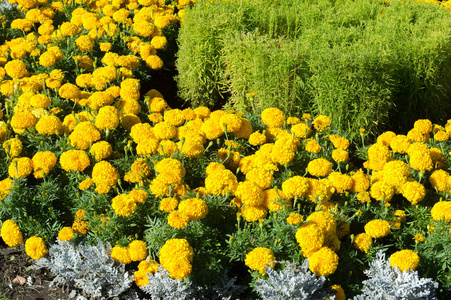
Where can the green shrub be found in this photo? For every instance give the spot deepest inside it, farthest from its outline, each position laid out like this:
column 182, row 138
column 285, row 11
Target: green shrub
column 361, row 62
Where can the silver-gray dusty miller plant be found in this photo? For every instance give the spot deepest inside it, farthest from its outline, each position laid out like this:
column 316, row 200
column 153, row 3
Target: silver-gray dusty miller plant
column 162, row 287
column 89, row 268
column 387, row 283
column 293, row 282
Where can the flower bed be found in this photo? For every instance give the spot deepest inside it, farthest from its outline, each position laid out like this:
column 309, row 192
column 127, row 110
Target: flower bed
column 113, row 190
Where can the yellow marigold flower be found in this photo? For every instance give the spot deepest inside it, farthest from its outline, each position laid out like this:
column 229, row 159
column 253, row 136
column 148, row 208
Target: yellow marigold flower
column 40, row 101
column 245, row 131
column 174, row 116
column 229, row 158
column 66, row 234
column 423, row 125
column 20, row 167
column 386, row 138
column 74, row 160
column 83, row 135
column 404, row 260
column 416, row 135
column 212, row 129
column 202, row 112
column 382, row 191
column 273, row 117
column 172, row 170
column 22, row 120
column 101, row 150
column 123, row 205
column 294, row 218
column 16, row 69
column 80, row 227
column 254, row 213
column 293, row 121
column 363, row 242
column 194, row 208
column 11, row 234
column 259, row 258
column 378, row 156
column 324, row 220
column 5, row 187
column 249, row 193
column 275, row 200
column 319, row 190
column 13, row 147
column 257, row 138
column 86, row 184
column 419, row 238
column 221, row 182
column 145, row 267
column 141, row 132
column 175, row 256
column 43, row 162
column 339, row 292
column 439, row 180
column 323, row 262
column 178, row 219
column 164, row 131
column 360, row 182
column 84, row 43
column 121, row 254
column 128, row 121
column 105, row 47
column 363, row 197
column 263, row 178
column 49, row 125
column 159, row 42
column 130, row 89
column 103, row 173
column 139, row 196
column 441, row 136
column 396, row 172
column 154, row 62
column 168, row 204
column 137, row 250
column 310, row 237
column 159, row 187
column 230, row 122
column 312, row 146
column 47, row 59
column 339, row 142
column 35, row 247
column 157, row 104
column 301, row 130
column 441, row 211
column 319, row 167
column 107, row 118
column 377, row 228
column 341, row 182
column 413, row 191
column 421, row 160
column 340, row 156
column 69, row 91
column 321, row 123
column 296, row 186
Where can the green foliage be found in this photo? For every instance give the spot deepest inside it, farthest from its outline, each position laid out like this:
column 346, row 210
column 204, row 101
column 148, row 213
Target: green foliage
column 360, row 62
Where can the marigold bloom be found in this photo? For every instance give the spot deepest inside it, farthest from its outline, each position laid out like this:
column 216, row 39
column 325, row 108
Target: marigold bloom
column 413, row 191
column 66, row 234
column 263, row 178
column 154, row 62
column 363, row 242
column 386, row 138
column 16, row 69
column 101, row 150
column 439, row 180
column 404, row 260
column 175, row 257
column 377, row 228
column 168, row 204
column 301, row 130
column 49, row 125
column 84, row 43
column 312, row 146
column 382, row 191
column 11, row 234
column 324, row 220
column 257, row 138
column 441, row 136
column 22, row 120
column 35, row 247
column 321, row 123
column 319, row 167
column 104, row 174
column 20, row 167
column 123, row 205
column 441, row 211
column 254, row 213
column 172, row 170
column 296, row 186
column 323, row 262
column 74, row 160
column 360, row 182
column 341, row 182
column 273, row 117
column 145, row 267
column 194, row 208
column 43, row 162
column 259, row 258
column 137, row 250
column 221, row 182
column 310, row 237
column 121, row 254
column 423, row 125
column 249, row 193
column 245, row 130
column 84, row 134
column 295, row 218
column 178, row 219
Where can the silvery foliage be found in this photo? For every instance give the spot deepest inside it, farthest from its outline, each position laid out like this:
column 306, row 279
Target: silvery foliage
column 89, row 268
column 293, row 282
column 387, row 283
column 163, row 287
column 226, row 289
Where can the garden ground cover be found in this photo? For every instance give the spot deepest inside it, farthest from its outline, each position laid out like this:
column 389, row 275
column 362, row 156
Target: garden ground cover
column 97, row 154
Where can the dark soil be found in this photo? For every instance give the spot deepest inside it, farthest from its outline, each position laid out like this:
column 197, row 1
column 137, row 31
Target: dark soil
column 15, row 266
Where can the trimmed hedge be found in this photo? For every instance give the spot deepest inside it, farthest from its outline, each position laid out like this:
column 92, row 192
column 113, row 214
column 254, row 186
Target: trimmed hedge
column 364, row 63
